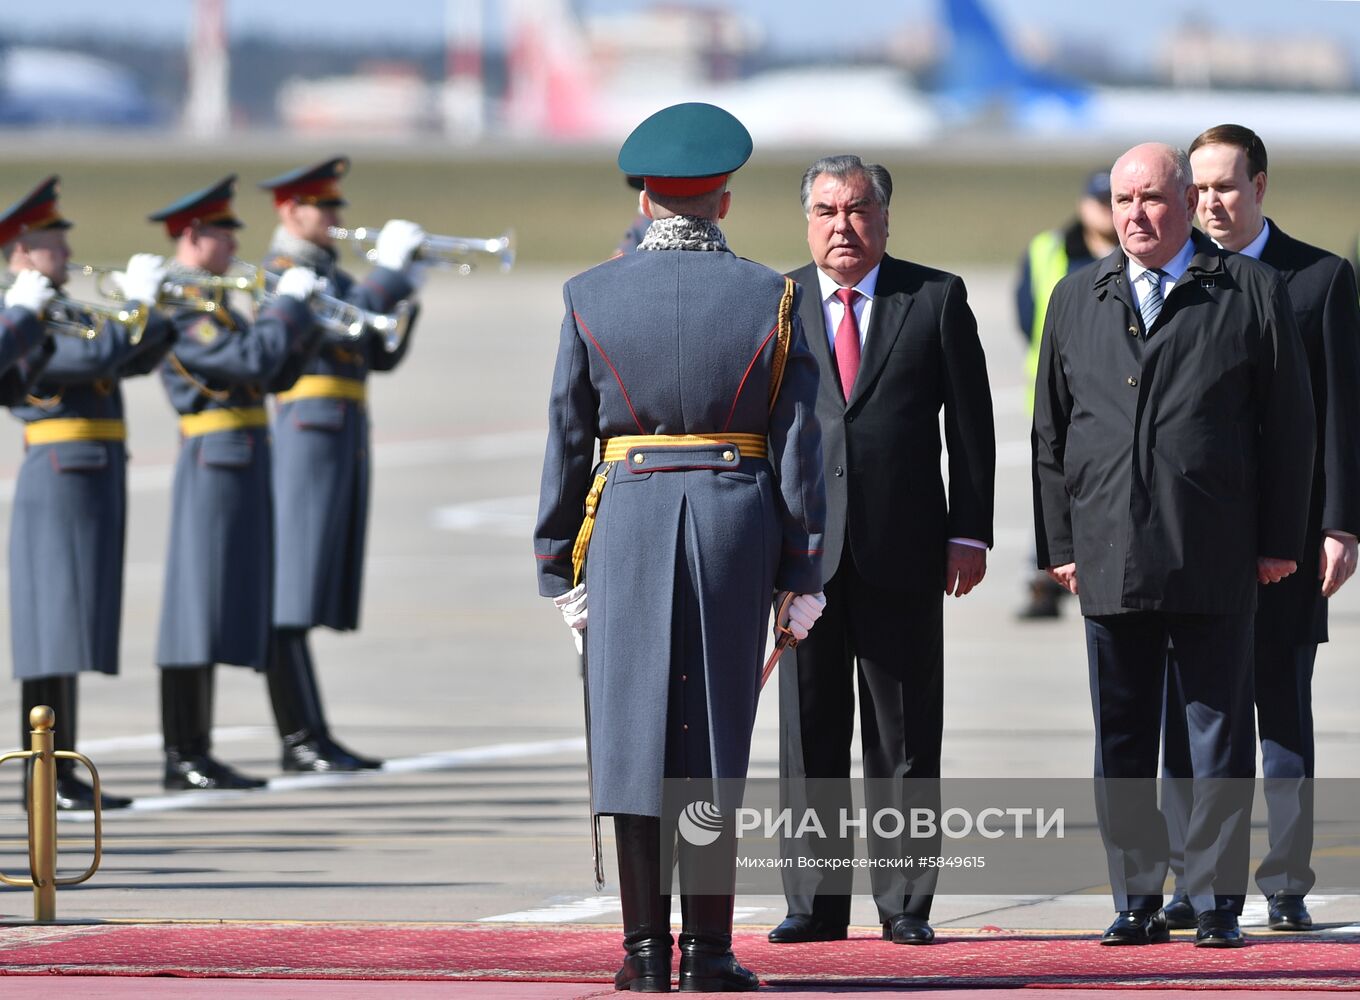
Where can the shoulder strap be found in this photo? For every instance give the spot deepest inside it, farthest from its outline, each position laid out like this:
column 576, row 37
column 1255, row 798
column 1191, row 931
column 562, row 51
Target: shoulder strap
column 781, row 342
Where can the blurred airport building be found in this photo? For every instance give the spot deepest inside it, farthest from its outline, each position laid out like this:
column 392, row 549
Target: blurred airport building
column 543, row 71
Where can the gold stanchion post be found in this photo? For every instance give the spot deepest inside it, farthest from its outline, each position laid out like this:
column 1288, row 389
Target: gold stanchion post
column 42, row 815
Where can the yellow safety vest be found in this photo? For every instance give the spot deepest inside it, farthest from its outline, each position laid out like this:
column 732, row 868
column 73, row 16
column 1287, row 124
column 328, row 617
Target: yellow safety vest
column 1047, row 267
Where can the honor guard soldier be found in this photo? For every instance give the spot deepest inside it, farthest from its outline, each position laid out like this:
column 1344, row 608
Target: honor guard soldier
column 321, row 456
column 67, row 533
column 688, row 365
column 219, row 573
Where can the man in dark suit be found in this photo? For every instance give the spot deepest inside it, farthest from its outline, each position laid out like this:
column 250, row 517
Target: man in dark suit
column 1229, row 164
column 896, row 343
column 1173, row 448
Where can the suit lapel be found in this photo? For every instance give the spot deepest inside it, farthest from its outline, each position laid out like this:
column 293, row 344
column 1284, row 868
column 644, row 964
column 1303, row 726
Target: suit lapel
column 814, row 329
column 892, row 302
column 1276, row 252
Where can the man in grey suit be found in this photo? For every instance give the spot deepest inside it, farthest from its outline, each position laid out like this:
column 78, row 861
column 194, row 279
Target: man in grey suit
column 896, row 344
column 688, row 365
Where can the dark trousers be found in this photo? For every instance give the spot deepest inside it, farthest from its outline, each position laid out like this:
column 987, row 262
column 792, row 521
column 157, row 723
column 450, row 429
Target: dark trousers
column 1127, row 657
column 1284, row 716
column 891, row 645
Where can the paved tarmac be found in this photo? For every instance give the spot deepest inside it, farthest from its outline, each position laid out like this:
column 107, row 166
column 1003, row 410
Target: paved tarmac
column 467, row 680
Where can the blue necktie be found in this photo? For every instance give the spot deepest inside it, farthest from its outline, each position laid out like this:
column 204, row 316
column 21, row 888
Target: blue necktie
column 1150, row 302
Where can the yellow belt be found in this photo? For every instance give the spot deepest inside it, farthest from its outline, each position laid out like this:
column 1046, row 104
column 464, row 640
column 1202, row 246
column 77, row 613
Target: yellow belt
column 326, row 387
column 616, row 450
column 227, row 419
column 751, row 445
column 60, row 429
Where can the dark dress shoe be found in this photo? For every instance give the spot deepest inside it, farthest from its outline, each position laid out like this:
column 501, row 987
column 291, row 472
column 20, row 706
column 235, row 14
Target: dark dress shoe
column 906, row 929
column 73, row 795
column 200, row 771
column 1218, row 929
column 1133, row 927
column 704, row 970
column 1288, row 913
column 1180, row 915
column 799, row 928
column 354, row 761
column 305, row 752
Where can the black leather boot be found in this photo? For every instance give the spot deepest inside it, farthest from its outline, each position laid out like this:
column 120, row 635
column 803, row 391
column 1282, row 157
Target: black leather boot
column 293, row 691
column 186, row 721
column 646, row 908
column 707, row 964
column 73, row 792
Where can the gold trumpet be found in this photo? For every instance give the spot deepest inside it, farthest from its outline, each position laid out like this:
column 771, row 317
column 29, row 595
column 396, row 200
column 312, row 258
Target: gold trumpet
column 77, row 318
column 183, row 290
column 445, row 251
column 342, row 318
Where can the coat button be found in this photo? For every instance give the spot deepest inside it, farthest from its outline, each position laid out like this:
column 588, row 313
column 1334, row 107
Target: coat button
column 728, row 456
column 684, row 677
column 639, row 459
column 1132, row 380
column 685, row 727
column 1133, row 331
column 850, row 419
column 839, row 471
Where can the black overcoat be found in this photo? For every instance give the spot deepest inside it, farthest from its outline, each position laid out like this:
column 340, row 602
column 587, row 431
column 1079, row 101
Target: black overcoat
column 1327, row 311
column 1166, row 461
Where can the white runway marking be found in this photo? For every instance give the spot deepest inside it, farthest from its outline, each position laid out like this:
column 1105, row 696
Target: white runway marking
column 511, row 517
column 447, row 760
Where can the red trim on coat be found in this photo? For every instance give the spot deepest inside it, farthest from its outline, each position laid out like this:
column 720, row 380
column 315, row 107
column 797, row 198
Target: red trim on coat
column 582, row 324
column 759, row 351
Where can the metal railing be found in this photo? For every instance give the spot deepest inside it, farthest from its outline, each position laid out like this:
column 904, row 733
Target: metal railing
column 42, row 816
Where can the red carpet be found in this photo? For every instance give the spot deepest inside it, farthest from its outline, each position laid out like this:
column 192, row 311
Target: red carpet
column 565, row 953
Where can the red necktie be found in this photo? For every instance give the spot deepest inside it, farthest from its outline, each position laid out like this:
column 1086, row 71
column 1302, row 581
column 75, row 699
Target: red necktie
column 847, row 341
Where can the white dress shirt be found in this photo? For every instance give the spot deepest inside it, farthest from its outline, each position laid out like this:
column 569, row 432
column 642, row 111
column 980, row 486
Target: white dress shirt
column 1171, row 272
column 833, row 310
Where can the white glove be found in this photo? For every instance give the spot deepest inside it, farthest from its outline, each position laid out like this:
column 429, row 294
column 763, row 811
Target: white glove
column 142, row 279
column 572, row 604
column 297, row 283
column 397, row 244
column 804, row 610
column 31, row 291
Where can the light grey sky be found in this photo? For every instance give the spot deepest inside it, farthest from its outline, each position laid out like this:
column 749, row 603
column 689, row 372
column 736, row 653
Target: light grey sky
column 796, row 24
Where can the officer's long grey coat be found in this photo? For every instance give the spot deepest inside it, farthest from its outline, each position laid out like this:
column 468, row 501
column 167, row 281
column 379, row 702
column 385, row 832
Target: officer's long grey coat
column 321, row 468
column 27, row 350
column 683, row 563
column 1166, row 464
column 67, row 531
column 216, row 604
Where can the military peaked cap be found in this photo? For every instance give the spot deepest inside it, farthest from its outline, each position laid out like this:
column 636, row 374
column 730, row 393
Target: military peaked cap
column 209, row 206
column 35, row 210
column 686, row 149
column 315, row 185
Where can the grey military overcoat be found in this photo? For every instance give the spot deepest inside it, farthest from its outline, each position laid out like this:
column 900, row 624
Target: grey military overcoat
column 321, row 468
column 688, row 547
column 1166, row 463
column 216, row 604
column 67, row 531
